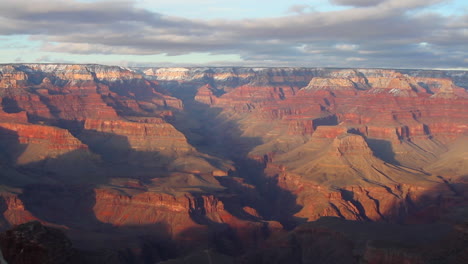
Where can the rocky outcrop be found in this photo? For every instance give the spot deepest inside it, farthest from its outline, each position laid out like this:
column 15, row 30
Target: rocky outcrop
column 37, row 142
column 331, row 240
column 19, row 117
column 55, row 138
column 147, row 142
column 146, row 135
column 11, row 77
column 205, row 95
column 189, row 218
column 247, row 98
column 343, row 86
column 13, row 210
column 145, row 208
column 34, row 243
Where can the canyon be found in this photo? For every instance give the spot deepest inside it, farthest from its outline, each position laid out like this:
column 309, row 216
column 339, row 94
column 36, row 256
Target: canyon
column 235, row 165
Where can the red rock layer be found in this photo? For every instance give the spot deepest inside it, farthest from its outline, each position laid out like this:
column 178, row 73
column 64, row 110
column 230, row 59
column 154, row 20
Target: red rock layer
column 13, row 210
column 148, row 135
column 20, row 117
column 411, row 204
column 247, row 98
column 384, row 98
column 383, row 105
column 39, row 142
column 32, row 105
column 54, row 138
column 77, row 92
column 205, row 95
column 143, row 209
column 187, row 217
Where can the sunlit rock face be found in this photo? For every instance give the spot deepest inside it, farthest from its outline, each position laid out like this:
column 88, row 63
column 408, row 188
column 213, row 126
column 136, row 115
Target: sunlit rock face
column 154, row 164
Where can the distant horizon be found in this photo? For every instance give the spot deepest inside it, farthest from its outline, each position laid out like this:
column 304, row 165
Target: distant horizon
column 235, row 66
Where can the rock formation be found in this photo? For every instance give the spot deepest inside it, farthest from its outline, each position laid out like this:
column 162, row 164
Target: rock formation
column 159, row 163
column 34, row 243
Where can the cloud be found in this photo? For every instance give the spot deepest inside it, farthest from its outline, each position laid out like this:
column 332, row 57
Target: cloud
column 346, row 47
column 355, row 59
column 300, row 9
column 50, row 59
column 387, row 3
column 45, row 58
column 356, row 2
column 384, row 33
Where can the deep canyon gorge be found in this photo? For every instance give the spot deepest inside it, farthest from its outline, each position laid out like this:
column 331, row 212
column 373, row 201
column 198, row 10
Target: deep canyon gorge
column 104, row 164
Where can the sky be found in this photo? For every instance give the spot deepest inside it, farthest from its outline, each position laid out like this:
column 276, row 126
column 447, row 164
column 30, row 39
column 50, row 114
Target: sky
column 297, row 33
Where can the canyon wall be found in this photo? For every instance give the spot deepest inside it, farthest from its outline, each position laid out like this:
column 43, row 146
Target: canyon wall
column 228, row 158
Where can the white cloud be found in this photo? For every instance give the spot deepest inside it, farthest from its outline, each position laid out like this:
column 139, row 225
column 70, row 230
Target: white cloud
column 355, row 59
column 346, row 47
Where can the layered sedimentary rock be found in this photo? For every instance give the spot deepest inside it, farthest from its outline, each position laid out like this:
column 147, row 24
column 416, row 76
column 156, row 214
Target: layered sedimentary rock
column 377, row 129
column 153, row 162
column 340, row 176
column 148, row 142
column 87, row 97
column 11, row 78
column 39, row 141
column 145, row 208
column 185, row 216
column 232, row 77
column 205, row 95
column 91, row 91
column 142, row 135
column 19, row 117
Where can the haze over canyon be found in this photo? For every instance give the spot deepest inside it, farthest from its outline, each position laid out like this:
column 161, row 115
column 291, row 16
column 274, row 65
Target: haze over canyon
column 105, row 164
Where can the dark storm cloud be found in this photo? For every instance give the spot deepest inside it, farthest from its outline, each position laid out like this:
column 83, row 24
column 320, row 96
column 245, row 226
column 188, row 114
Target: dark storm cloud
column 390, row 33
